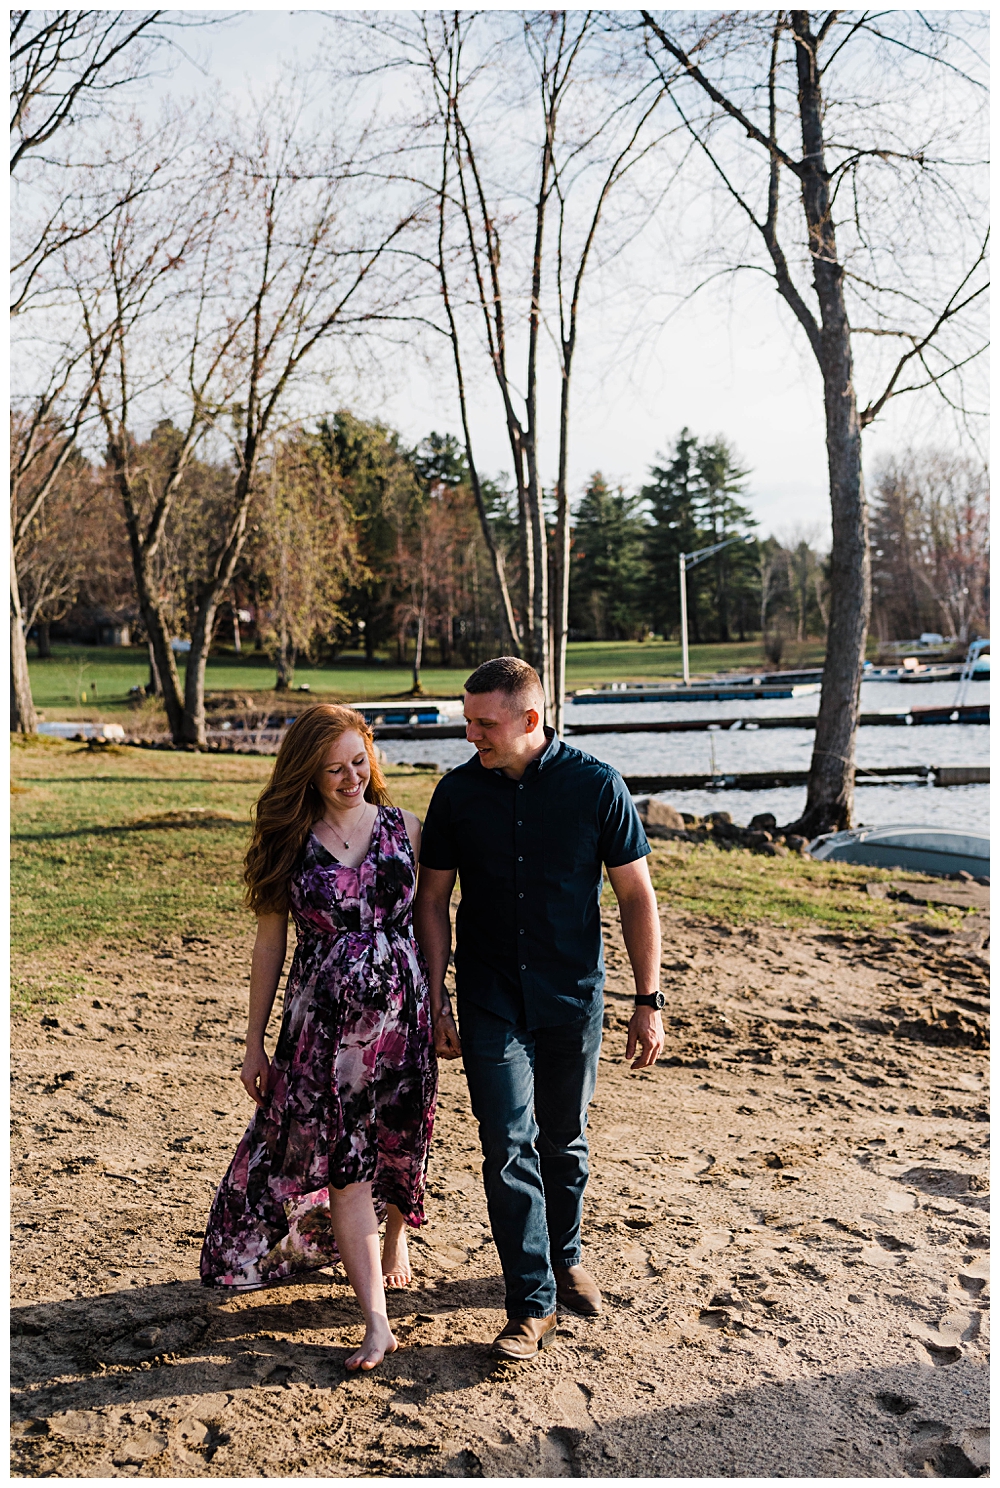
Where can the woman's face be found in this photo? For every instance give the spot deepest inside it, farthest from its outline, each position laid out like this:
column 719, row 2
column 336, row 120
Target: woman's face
column 344, row 774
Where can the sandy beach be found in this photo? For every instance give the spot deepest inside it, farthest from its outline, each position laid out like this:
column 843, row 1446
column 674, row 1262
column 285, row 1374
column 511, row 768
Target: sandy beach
column 787, row 1216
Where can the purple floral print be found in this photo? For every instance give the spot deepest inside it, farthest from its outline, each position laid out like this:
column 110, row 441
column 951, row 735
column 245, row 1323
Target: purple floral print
column 353, row 1081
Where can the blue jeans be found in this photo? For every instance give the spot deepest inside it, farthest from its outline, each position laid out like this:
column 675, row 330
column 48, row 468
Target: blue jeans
column 530, row 1091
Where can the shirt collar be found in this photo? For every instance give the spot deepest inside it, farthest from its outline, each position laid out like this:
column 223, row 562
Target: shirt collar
column 552, row 749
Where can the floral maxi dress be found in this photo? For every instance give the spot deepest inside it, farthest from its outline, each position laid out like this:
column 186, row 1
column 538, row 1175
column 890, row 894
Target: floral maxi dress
column 353, row 1080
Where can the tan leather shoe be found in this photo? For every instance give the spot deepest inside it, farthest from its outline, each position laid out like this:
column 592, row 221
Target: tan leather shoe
column 523, row 1338
column 577, row 1290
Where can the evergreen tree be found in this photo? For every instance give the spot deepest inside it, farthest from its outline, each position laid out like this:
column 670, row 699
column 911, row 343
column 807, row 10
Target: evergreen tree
column 722, row 517
column 691, row 503
column 608, row 568
column 671, row 497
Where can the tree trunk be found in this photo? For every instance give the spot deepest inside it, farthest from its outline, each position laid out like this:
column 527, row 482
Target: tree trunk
column 418, row 656
column 418, row 649
column 193, row 720
column 155, row 688
column 143, row 550
column 540, row 654
column 23, row 718
column 830, row 797
column 283, row 680
column 560, row 556
column 44, row 640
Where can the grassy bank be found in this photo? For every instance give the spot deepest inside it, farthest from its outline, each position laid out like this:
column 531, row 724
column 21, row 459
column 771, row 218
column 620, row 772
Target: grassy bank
column 104, row 674
column 127, row 847
column 95, row 860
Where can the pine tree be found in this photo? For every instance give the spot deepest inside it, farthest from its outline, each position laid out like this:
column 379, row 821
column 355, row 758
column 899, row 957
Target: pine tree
column 674, row 528
column 691, row 503
column 722, row 517
column 608, row 569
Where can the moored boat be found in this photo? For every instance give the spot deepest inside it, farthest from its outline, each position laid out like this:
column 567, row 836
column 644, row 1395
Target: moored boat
column 919, row 849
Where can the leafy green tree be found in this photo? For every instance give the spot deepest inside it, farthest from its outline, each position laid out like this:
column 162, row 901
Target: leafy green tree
column 608, row 567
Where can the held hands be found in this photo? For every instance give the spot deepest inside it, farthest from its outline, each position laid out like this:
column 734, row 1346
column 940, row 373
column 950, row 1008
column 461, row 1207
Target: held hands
column 645, row 1031
column 255, row 1074
column 446, row 1041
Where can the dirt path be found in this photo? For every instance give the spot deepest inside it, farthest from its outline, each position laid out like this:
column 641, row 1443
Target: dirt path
column 788, row 1218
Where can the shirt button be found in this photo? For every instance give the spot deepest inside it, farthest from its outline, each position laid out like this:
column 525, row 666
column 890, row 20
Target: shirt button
column 520, row 823
column 523, row 967
column 520, row 787
column 520, row 896
column 520, row 932
column 520, row 860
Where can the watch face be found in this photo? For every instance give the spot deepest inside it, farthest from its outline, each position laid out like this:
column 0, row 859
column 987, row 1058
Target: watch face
column 659, row 1000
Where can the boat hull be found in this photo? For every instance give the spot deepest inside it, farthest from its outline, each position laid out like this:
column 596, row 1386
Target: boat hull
column 918, row 849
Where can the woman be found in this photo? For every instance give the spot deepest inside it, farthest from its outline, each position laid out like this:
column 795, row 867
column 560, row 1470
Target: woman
column 344, row 1113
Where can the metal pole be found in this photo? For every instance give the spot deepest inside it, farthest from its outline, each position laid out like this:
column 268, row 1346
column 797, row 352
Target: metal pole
column 684, row 619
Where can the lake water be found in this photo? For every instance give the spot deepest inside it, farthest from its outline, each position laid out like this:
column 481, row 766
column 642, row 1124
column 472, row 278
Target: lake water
column 965, row 808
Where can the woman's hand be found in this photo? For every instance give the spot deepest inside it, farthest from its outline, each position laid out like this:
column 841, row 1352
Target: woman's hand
column 447, row 1044
column 255, row 1074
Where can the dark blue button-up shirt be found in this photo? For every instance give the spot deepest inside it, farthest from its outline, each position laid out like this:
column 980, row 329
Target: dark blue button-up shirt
column 529, row 855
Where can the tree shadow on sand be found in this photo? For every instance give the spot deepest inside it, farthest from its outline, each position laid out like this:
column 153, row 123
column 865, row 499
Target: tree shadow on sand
column 150, row 1347
column 151, row 1341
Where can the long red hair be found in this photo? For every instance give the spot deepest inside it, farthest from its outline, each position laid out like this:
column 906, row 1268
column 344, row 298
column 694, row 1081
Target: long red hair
column 290, row 802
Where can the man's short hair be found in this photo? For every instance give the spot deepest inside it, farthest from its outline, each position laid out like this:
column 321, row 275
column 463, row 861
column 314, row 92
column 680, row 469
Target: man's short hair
column 509, row 675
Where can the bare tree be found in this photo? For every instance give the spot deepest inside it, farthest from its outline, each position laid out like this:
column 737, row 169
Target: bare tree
column 71, row 69
column 886, row 239
column 153, row 265
column 223, row 296
column 66, row 67
column 42, row 439
column 930, row 545
column 517, row 234
column 52, row 556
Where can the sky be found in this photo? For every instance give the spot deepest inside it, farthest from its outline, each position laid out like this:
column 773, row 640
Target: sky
column 729, row 361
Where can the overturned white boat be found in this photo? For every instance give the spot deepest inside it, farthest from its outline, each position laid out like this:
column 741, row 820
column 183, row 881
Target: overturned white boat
column 919, row 849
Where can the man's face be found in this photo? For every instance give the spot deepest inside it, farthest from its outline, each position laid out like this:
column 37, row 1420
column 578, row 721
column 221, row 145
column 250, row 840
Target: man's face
column 499, row 726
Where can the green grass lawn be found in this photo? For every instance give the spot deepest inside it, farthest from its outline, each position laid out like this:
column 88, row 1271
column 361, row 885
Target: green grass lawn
column 92, row 869
column 105, row 674
column 87, row 868
column 740, row 888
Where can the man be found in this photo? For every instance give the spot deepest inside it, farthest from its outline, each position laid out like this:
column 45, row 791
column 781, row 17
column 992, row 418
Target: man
column 527, row 824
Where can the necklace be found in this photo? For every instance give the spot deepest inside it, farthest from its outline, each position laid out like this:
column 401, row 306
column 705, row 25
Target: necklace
column 347, row 845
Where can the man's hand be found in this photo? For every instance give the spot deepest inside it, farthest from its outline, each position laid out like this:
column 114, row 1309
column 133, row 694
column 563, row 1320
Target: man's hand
column 447, row 1044
column 645, row 1030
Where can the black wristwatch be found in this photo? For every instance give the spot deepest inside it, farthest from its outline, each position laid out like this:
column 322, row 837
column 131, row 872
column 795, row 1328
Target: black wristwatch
column 651, row 999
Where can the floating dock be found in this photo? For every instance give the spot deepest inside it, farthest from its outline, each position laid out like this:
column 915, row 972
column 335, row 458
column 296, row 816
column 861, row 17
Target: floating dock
column 978, row 713
column 651, row 785
column 700, row 692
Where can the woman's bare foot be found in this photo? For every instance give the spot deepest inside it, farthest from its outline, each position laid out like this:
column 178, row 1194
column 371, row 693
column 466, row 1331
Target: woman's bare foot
column 396, row 1272
column 378, row 1341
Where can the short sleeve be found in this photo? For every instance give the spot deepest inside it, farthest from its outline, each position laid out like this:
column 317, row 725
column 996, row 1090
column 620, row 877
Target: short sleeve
column 622, row 838
column 437, row 844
